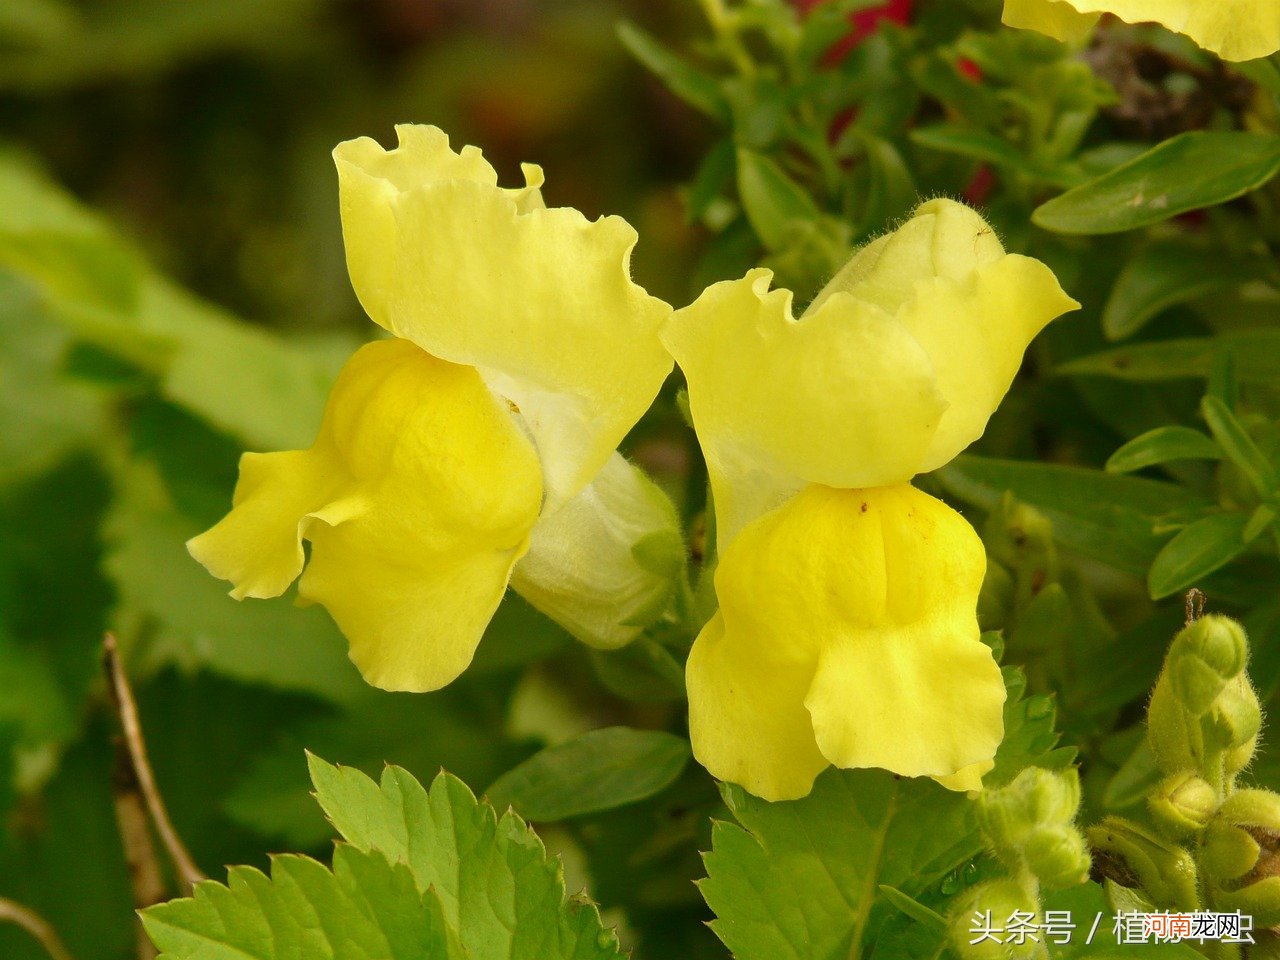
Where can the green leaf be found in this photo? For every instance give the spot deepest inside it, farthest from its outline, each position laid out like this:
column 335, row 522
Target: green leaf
column 599, row 770
column 1189, row 171
column 714, row 173
column 366, row 908
column 1167, row 273
column 45, row 412
column 1109, row 517
column 913, row 908
column 1162, row 445
column 771, row 199
column 644, row 671
column 1259, row 520
column 802, row 879
column 265, row 391
column 54, row 606
column 496, row 885
column 699, row 90
column 1137, row 777
column 1084, row 904
column 1197, row 551
column 891, row 189
column 1240, row 447
column 1256, row 354
column 987, row 147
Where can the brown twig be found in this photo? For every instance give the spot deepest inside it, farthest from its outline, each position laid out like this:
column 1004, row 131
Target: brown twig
column 1195, row 601
column 37, row 926
column 146, row 878
column 188, row 873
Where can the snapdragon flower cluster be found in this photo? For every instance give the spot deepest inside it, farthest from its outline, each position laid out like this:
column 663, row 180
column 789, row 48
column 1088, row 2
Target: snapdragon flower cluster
column 476, row 448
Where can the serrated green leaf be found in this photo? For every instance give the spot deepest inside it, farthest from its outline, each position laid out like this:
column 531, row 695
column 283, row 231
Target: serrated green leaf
column 801, row 879
column 366, row 909
column 1109, row 517
column 496, row 885
column 1196, row 551
column 1256, row 354
column 701, row 91
column 771, row 199
column 1164, row 274
column 1162, row 445
column 1186, row 172
column 596, row 771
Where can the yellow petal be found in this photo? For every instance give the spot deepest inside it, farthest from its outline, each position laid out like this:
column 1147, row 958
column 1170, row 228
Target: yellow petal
column 747, row 720
column 539, row 300
column 584, row 568
column 1233, row 29
column 972, row 307
column 968, row 779
column 1054, row 18
column 976, row 330
column 845, row 397
column 418, row 497
column 861, row 604
column 894, row 368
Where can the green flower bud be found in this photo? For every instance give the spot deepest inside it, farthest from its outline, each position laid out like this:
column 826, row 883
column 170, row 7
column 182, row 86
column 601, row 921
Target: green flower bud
column 991, row 907
column 1204, row 716
column 1183, row 804
column 1236, row 716
column 1135, row 857
column 1035, row 799
column 1260, row 900
column 1176, row 740
column 1203, row 657
column 1237, row 759
column 1257, row 809
column 1228, row 852
column 607, row 563
column 1242, row 855
column 1058, row 856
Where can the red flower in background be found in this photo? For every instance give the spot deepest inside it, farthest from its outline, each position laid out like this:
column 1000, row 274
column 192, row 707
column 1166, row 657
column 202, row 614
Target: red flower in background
column 862, row 23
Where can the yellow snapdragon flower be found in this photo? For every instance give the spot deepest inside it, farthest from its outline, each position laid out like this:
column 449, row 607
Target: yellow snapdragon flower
column 847, row 631
column 1233, row 29
column 478, row 445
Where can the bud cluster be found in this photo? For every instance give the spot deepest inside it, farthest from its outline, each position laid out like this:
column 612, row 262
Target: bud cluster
column 1204, row 716
column 1029, row 825
column 1214, row 844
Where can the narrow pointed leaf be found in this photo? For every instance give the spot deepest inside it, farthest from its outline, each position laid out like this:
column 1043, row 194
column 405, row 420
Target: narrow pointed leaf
column 1197, row 551
column 1162, row 445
